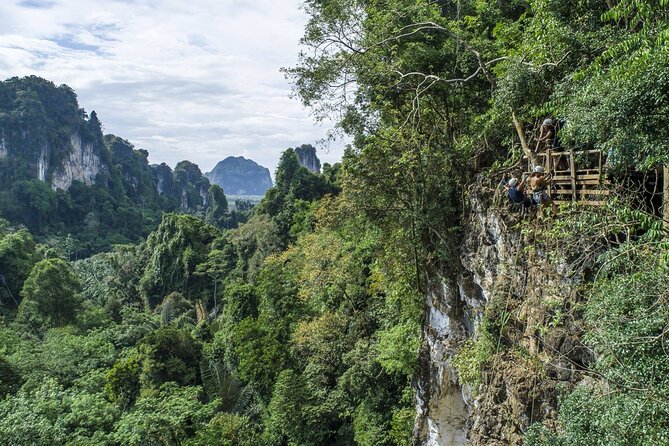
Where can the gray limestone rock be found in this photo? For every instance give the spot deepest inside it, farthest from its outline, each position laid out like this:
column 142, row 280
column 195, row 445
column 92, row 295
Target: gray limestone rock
column 237, row 175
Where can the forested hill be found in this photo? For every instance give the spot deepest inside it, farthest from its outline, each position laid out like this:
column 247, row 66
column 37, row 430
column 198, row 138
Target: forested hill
column 188, row 337
column 62, row 177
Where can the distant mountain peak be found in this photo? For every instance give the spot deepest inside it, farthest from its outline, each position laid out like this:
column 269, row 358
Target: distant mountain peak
column 237, row 175
column 306, row 155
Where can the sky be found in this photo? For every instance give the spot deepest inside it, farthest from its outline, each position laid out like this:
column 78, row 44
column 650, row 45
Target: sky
column 195, row 79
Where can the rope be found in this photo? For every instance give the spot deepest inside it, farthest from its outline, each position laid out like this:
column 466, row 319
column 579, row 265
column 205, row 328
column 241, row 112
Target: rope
column 2, row 277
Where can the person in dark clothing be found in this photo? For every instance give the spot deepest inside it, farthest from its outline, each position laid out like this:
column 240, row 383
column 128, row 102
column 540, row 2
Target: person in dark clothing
column 516, row 192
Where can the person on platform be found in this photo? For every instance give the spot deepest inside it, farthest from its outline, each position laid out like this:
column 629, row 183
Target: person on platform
column 546, row 136
column 539, row 183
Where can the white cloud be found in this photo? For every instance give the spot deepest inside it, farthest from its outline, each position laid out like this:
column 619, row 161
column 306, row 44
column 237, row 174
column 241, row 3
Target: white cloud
column 195, row 80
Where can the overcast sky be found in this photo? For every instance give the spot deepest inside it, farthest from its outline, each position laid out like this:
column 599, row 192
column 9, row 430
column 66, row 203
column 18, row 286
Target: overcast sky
column 195, row 79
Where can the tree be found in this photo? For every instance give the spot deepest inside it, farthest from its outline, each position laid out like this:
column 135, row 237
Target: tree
column 17, row 258
column 10, row 379
column 35, row 416
column 227, row 430
column 288, row 167
column 258, row 354
column 91, row 419
column 49, row 295
column 67, row 356
column 220, row 263
column 173, row 252
column 293, row 418
column 169, row 355
column 112, row 276
column 618, row 102
column 241, row 302
column 37, row 203
column 254, row 241
column 95, row 127
column 217, row 207
column 122, row 382
column 167, row 417
column 175, row 307
column 295, row 188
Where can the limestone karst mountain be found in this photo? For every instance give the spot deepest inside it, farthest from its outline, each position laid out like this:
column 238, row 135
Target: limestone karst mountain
column 306, row 154
column 237, row 175
column 61, row 175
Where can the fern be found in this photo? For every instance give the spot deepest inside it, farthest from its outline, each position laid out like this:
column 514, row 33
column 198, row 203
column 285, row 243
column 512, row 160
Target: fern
column 219, row 383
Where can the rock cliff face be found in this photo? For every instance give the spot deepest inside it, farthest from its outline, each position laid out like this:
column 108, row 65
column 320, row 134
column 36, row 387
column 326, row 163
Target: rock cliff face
column 164, row 178
column 43, row 162
column 191, row 185
column 507, row 278
column 83, row 163
column 44, row 135
column 237, row 175
column 306, row 155
column 3, row 145
column 442, row 414
column 58, row 164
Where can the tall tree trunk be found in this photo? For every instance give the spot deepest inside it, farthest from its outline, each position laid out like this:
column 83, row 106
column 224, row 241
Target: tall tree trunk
column 523, row 142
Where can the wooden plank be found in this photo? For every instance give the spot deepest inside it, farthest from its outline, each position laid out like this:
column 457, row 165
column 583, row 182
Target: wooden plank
column 594, row 192
column 585, row 183
column 593, row 176
column 593, row 182
column 583, row 192
column 578, row 152
column 586, row 202
column 567, row 180
column 665, row 196
column 587, row 173
column 549, row 158
column 573, row 175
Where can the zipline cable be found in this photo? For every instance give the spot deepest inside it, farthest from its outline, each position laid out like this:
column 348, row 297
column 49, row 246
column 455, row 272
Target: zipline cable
column 4, row 282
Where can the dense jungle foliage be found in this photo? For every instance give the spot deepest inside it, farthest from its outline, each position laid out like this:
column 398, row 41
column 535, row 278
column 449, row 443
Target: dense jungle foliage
column 37, row 123
column 303, row 325
column 448, row 89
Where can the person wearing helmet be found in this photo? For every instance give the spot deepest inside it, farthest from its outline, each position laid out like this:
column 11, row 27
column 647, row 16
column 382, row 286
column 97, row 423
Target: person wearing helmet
column 515, row 190
column 539, row 182
column 546, row 135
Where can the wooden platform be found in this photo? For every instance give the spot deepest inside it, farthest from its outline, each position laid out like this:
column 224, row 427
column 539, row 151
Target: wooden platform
column 576, row 175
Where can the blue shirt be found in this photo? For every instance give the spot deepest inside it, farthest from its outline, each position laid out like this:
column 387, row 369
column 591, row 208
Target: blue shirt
column 515, row 195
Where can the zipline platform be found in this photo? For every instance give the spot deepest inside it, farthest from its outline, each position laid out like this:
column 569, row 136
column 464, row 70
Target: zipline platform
column 576, row 175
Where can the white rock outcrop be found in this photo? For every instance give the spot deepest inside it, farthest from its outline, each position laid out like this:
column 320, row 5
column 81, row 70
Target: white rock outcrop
column 4, row 150
column 82, row 164
column 43, row 162
column 441, row 411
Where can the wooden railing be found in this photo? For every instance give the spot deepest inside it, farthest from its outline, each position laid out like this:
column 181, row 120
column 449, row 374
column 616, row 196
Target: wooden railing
column 576, row 175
